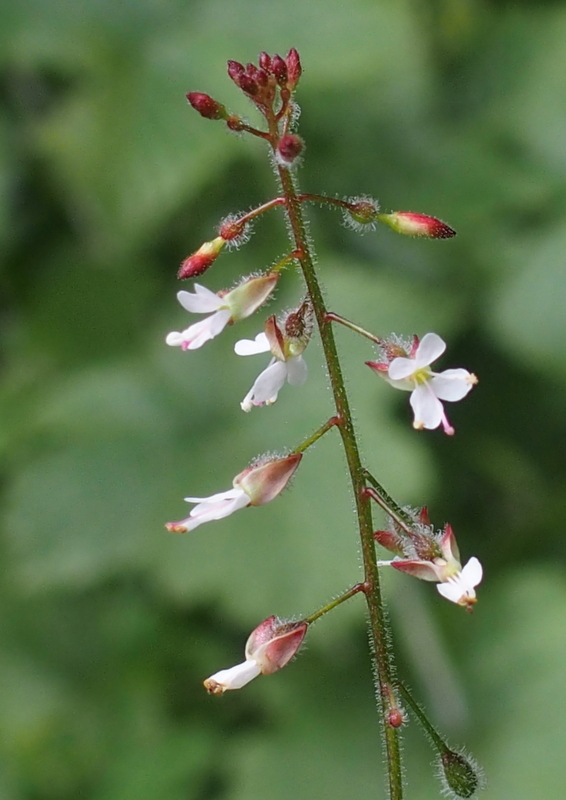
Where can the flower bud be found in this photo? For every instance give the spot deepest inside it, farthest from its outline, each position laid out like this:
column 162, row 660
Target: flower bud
column 279, row 69
column 269, row 648
column 395, row 718
column 460, row 774
column 411, row 224
column 289, row 149
column 264, row 481
column 264, row 61
column 294, row 68
column 199, row 262
column 235, row 71
column 391, row 541
column 206, row 106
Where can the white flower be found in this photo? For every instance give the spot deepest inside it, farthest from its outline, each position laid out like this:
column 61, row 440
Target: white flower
column 428, row 388
column 454, row 582
column 292, row 368
column 233, row 678
column 255, row 486
column 228, row 307
column 269, row 648
column 460, row 588
column 217, row 506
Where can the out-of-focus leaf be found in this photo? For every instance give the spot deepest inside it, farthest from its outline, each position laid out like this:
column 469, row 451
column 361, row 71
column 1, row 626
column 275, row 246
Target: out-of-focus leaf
column 518, row 681
column 527, row 311
column 172, row 767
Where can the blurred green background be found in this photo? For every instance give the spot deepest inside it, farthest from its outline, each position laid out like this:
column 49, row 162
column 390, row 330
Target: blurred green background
column 109, row 624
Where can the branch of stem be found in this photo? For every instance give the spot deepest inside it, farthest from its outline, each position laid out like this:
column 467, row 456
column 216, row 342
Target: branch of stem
column 359, row 587
column 332, row 317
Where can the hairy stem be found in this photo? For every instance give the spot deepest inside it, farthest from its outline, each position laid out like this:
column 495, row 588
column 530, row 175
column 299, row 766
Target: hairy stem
column 359, row 587
column 317, row 435
column 357, row 328
column 378, row 625
column 435, row 737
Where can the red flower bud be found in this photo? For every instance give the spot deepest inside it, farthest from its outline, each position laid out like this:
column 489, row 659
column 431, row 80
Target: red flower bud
column 289, row 149
column 279, row 69
column 412, row 224
column 294, row 68
column 264, row 61
column 390, row 540
column 206, row 106
column 199, row 262
column 235, row 69
column 262, row 78
column 248, row 85
column 395, row 718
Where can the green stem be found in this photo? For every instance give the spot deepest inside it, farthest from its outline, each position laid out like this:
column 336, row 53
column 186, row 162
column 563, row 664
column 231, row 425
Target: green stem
column 379, row 633
column 389, row 505
column 255, row 212
column 398, row 519
column 283, row 262
column 322, row 198
column 436, row 738
column 359, row 587
column 316, row 435
column 332, row 317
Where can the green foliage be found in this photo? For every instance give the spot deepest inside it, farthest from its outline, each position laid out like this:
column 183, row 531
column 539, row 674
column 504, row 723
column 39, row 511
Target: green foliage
column 107, row 180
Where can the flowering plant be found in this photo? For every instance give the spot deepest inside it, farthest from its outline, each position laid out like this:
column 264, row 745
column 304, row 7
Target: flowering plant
column 405, row 363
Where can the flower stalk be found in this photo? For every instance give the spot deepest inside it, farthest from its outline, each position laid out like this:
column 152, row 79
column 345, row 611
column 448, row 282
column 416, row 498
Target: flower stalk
column 332, row 317
column 331, row 423
column 379, row 633
column 359, row 587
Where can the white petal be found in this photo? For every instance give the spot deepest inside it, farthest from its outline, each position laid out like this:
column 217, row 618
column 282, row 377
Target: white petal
column 452, row 384
column 248, row 402
column 175, row 339
column 201, row 302
column 215, row 497
column 207, row 511
column 233, row 678
column 297, row 371
column 205, row 330
column 451, row 590
column 401, row 368
column 426, row 407
column 472, row 573
column 430, row 348
column 268, row 384
column 249, row 347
